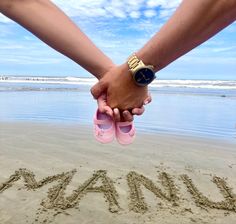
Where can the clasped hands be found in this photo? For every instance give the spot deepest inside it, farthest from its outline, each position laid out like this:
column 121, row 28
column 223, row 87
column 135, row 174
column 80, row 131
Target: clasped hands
column 118, row 95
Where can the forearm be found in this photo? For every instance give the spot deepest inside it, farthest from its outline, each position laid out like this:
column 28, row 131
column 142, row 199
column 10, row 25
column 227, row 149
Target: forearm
column 192, row 24
column 51, row 25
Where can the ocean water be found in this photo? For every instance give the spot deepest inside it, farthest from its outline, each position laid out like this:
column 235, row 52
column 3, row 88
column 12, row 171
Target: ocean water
column 184, row 107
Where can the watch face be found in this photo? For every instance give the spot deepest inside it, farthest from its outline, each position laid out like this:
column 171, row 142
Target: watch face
column 144, row 76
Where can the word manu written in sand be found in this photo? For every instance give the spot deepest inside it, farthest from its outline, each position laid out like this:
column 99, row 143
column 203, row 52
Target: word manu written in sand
column 100, row 182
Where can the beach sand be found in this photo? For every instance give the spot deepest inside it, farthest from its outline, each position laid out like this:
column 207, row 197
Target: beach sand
column 59, row 174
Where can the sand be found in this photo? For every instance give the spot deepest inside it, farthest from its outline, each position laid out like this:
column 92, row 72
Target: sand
column 60, row 174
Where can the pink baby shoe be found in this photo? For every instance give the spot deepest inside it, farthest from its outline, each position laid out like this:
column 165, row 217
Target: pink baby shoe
column 104, row 127
column 125, row 132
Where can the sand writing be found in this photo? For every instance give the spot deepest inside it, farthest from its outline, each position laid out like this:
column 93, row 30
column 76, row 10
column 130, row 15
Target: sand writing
column 135, row 181
column 56, row 198
column 56, row 194
column 202, row 201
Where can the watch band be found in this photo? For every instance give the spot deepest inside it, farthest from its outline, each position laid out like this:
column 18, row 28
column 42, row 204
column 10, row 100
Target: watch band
column 133, row 62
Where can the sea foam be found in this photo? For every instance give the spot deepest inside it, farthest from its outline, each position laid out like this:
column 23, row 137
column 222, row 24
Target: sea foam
column 70, row 80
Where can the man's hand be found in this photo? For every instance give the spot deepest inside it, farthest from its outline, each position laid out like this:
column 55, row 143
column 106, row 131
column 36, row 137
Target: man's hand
column 120, row 88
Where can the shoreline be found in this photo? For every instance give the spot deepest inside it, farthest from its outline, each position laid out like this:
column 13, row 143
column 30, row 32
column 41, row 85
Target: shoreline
column 89, row 126
column 172, row 114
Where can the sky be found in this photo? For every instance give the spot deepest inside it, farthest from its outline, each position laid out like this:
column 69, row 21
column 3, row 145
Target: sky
column 118, row 28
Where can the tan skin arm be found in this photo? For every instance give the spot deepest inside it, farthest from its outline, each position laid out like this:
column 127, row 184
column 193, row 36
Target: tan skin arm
column 194, row 22
column 52, row 26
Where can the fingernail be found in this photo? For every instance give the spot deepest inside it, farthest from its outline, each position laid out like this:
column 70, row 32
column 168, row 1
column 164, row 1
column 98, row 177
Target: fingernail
column 116, row 110
column 146, row 102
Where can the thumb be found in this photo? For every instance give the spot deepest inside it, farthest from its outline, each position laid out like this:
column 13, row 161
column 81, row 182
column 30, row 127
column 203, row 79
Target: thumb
column 98, row 89
column 102, row 105
column 148, row 99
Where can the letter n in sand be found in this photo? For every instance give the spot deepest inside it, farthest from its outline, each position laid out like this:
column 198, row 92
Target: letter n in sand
column 135, row 181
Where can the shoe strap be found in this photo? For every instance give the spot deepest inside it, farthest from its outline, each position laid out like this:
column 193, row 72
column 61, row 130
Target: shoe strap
column 100, row 122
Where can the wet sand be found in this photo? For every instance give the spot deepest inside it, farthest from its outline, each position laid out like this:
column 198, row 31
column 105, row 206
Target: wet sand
column 60, row 174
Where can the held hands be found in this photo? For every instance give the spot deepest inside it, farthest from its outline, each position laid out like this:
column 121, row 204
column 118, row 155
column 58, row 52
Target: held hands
column 126, row 115
column 118, row 90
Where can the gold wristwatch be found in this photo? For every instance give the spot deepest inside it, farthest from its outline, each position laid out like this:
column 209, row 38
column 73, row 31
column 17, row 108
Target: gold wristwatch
column 142, row 74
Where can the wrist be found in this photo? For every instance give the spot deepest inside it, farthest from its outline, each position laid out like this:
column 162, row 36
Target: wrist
column 100, row 70
column 149, row 57
column 104, row 69
column 143, row 74
column 128, row 76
